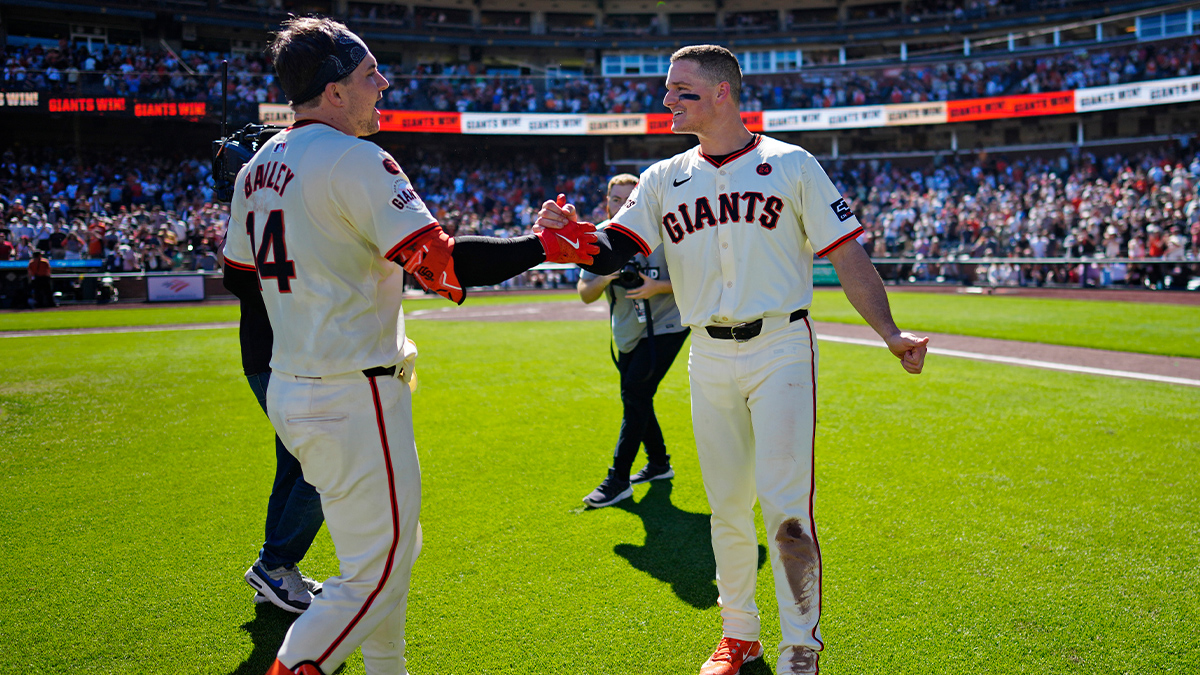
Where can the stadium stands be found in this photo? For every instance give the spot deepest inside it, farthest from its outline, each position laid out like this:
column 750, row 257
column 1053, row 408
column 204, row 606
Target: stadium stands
column 1045, row 185
column 1142, row 205
column 156, row 74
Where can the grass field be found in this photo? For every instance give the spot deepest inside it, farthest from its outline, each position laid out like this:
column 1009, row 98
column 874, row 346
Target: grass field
column 976, row 519
column 1168, row 330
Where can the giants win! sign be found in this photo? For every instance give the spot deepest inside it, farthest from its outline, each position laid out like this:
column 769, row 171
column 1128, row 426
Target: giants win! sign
column 1133, row 95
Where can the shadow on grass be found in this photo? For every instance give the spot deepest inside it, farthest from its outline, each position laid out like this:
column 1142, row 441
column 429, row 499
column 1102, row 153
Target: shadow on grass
column 678, row 548
column 759, row 667
column 267, row 630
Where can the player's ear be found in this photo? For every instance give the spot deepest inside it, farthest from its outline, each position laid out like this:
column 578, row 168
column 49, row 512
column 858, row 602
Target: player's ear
column 333, row 94
column 723, row 90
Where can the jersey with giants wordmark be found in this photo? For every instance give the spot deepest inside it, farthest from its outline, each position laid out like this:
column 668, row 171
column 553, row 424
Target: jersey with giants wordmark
column 316, row 213
column 739, row 236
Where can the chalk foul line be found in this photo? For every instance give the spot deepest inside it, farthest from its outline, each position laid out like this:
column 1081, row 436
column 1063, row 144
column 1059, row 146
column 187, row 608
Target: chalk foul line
column 1030, row 363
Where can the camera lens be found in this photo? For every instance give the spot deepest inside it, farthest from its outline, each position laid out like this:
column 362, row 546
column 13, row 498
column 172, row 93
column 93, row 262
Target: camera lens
column 629, row 277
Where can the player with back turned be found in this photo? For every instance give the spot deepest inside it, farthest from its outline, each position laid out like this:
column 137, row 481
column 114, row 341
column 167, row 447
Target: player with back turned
column 323, row 224
column 740, row 217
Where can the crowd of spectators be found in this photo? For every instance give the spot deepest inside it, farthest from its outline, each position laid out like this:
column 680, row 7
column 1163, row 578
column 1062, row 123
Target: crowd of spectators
column 1141, row 206
column 141, row 72
column 371, row 14
column 471, row 89
column 139, row 213
column 161, row 74
column 133, row 212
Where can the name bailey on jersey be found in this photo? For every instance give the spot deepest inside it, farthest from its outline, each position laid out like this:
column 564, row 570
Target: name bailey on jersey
column 688, row 219
column 274, row 175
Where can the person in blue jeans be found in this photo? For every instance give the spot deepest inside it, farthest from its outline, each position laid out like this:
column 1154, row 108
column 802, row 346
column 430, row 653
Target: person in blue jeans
column 294, row 513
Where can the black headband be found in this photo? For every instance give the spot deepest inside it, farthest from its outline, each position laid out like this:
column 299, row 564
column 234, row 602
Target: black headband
column 349, row 51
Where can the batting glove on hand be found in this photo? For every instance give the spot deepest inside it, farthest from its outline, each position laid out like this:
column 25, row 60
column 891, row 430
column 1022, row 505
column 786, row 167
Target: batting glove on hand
column 574, row 242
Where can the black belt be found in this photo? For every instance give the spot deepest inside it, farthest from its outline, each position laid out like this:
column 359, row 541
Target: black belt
column 379, row 371
column 746, row 331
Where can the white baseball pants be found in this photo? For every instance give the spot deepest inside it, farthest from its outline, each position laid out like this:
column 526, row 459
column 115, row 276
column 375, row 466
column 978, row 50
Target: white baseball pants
column 754, row 416
column 353, row 436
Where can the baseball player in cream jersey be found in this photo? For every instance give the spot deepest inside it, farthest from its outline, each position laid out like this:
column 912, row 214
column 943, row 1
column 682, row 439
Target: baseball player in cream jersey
column 740, row 217
column 322, row 223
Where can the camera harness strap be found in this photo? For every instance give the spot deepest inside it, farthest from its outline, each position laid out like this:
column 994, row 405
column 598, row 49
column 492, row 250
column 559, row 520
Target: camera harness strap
column 612, row 303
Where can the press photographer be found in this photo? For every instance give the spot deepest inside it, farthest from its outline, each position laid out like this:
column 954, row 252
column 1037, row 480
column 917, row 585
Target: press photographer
column 648, row 335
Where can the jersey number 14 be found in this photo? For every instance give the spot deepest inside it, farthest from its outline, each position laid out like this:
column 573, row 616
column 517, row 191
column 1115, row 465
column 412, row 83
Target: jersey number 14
column 279, row 268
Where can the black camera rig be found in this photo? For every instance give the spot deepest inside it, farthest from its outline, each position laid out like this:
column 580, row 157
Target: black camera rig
column 630, row 276
column 232, row 151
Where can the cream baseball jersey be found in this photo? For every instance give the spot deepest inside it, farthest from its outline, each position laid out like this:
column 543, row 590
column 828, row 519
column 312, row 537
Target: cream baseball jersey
column 739, row 235
column 316, row 213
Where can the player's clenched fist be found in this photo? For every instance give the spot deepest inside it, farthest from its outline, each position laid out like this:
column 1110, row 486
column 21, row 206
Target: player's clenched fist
column 574, row 242
column 911, row 350
column 555, row 214
column 564, row 237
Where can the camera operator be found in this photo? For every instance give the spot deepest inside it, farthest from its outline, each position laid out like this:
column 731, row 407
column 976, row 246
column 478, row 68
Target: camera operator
column 648, row 333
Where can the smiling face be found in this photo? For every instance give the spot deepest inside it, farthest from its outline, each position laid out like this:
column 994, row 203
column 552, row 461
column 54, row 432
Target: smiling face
column 692, row 97
column 685, row 83
column 361, row 90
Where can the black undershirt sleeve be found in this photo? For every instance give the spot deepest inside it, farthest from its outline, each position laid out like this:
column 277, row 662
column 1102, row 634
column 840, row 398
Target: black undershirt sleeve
column 616, row 249
column 484, row 261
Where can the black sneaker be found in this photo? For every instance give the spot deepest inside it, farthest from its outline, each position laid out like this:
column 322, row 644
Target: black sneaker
column 611, row 491
column 652, row 472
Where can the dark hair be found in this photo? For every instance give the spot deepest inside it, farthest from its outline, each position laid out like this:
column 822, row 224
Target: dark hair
column 300, row 48
column 717, row 63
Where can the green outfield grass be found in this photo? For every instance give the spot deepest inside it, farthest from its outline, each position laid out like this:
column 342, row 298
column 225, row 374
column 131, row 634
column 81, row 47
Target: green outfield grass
column 1163, row 329
column 1171, row 330
column 976, row 519
column 88, row 316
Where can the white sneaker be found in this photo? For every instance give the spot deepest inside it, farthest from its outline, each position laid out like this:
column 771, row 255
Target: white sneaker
column 284, row 587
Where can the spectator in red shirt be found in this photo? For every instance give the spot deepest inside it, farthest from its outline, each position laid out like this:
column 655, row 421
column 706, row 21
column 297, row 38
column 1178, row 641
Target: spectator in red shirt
column 39, row 276
column 1155, row 245
column 6, row 248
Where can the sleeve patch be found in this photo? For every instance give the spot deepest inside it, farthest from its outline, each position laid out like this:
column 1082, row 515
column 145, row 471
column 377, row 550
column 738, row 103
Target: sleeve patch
column 842, row 210
column 391, row 166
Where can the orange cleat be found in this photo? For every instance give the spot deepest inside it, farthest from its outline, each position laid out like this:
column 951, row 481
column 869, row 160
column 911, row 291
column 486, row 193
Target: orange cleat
column 306, row 668
column 730, row 655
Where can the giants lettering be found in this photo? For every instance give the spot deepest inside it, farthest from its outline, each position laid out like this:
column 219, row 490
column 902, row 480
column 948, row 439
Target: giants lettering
column 406, row 197
column 681, row 222
column 687, row 220
column 671, row 225
column 274, row 175
column 703, row 213
column 752, row 199
column 771, row 212
column 729, row 207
